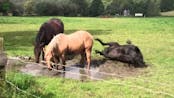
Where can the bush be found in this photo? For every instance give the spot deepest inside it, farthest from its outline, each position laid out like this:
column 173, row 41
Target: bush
column 153, row 8
column 56, row 7
column 167, row 5
column 81, row 7
column 118, row 6
column 29, row 7
column 85, row 7
column 96, row 8
column 147, row 7
column 6, row 7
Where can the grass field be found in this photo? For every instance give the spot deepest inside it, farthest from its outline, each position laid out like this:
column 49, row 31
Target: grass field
column 154, row 36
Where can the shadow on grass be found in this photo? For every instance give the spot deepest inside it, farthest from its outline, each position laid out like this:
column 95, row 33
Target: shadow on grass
column 14, row 40
column 23, row 40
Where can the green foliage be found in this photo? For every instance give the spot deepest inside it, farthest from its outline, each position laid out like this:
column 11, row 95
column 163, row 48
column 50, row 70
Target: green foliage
column 139, row 7
column 21, row 80
column 85, row 7
column 56, row 7
column 82, row 7
column 29, row 7
column 23, row 86
column 96, row 8
column 167, row 5
column 5, row 7
column 147, row 7
column 62, row 8
column 117, row 6
column 18, row 8
column 152, row 8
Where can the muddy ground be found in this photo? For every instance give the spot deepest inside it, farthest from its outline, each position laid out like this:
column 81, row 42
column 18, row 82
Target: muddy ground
column 100, row 69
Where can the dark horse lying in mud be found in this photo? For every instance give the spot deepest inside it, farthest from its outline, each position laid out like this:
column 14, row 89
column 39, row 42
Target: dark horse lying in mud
column 47, row 31
column 129, row 53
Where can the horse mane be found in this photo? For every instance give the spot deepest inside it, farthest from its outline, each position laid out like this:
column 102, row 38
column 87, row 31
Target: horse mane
column 39, row 35
column 53, row 43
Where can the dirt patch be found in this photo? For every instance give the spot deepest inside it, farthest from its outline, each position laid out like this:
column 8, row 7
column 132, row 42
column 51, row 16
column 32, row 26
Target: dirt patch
column 100, row 69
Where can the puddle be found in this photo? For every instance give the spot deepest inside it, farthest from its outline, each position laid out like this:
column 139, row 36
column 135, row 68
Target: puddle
column 100, row 69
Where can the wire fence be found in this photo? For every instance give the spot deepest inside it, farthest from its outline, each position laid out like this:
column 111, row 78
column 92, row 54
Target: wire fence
column 106, row 81
column 123, row 84
column 17, row 88
column 23, row 91
column 115, row 75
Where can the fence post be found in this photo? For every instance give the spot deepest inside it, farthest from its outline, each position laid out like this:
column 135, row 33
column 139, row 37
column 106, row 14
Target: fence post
column 3, row 62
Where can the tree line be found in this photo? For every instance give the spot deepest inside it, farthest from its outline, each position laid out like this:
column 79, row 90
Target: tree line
column 91, row 8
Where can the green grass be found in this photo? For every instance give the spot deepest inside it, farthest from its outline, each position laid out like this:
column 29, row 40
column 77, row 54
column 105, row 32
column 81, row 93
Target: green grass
column 154, row 36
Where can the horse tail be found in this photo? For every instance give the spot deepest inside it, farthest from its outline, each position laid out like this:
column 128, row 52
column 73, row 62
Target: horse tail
column 99, row 40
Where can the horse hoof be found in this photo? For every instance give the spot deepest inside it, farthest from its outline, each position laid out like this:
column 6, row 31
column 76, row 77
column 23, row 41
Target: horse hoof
column 49, row 69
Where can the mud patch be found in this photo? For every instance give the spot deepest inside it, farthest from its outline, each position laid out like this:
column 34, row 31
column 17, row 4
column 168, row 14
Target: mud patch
column 100, row 69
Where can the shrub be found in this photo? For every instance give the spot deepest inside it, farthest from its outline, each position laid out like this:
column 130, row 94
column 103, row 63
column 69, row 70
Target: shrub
column 96, row 8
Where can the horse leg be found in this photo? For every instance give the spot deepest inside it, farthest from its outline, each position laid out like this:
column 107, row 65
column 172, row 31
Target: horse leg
column 63, row 61
column 37, row 53
column 48, row 58
column 56, row 60
column 83, row 58
column 88, row 57
column 43, row 55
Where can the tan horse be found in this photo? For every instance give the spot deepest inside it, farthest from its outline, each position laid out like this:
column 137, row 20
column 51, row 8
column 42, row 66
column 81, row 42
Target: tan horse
column 79, row 42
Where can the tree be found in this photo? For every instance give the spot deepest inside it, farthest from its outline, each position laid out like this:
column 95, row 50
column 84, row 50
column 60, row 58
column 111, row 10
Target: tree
column 82, row 6
column 29, row 7
column 140, row 7
column 153, row 8
column 5, row 7
column 96, row 8
column 167, row 5
column 56, row 7
column 117, row 6
column 147, row 7
column 18, row 8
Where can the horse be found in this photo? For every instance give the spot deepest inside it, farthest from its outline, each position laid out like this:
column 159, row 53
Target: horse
column 46, row 32
column 79, row 42
column 128, row 53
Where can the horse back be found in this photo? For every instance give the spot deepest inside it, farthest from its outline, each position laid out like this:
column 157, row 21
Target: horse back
column 80, row 40
column 48, row 30
column 57, row 25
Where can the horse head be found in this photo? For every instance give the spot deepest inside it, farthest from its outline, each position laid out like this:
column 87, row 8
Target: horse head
column 38, row 48
column 45, row 34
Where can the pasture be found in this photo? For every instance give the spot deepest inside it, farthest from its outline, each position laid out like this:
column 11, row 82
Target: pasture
column 154, row 36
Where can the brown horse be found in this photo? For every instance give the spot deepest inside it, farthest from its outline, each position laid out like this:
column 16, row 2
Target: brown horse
column 79, row 42
column 47, row 31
